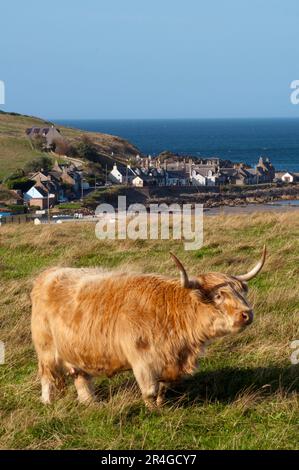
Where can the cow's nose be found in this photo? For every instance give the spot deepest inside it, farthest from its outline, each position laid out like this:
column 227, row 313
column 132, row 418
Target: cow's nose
column 247, row 317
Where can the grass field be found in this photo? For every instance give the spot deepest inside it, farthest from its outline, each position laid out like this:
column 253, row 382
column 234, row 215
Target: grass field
column 245, row 395
column 15, row 148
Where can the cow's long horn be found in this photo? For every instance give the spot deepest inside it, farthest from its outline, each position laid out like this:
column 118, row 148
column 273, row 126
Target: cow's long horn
column 184, row 275
column 255, row 270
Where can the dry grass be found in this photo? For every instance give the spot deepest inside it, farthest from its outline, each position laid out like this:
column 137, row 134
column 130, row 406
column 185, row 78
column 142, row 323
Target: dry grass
column 246, row 395
column 15, row 148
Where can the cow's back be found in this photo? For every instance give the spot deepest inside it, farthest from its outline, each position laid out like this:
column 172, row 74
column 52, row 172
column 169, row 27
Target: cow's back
column 103, row 322
column 81, row 310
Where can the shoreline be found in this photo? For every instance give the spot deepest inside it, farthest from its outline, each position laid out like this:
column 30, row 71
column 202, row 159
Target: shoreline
column 251, row 208
column 275, row 206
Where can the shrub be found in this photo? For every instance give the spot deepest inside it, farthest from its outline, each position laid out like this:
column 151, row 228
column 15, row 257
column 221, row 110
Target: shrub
column 39, row 142
column 86, row 149
column 24, row 183
column 40, row 163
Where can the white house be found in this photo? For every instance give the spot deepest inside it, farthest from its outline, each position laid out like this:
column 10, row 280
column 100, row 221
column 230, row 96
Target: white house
column 138, row 182
column 198, row 179
column 288, row 177
column 38, row 197
column 204, row 177
column 121, row 175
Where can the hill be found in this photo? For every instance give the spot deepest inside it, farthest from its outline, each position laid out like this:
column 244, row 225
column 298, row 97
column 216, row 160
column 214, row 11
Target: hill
column 16, row 149
column 245, row 394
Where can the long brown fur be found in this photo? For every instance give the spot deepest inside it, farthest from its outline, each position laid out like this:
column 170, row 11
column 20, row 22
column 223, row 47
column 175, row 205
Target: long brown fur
column 86, row 322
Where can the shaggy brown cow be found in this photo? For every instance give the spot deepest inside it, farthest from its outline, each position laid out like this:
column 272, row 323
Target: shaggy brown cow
column 87, row 322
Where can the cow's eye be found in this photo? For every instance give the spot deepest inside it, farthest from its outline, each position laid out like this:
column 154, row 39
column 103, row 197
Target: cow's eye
column 218, row 297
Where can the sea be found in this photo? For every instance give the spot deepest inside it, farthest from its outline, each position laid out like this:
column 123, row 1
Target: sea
column 238, row 140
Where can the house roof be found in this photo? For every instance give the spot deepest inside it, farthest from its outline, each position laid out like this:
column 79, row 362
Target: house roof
column 40, row 130
column 141, row 177
column 228, row 171
column 126, row 171
column 55, row 175
column 39, row 176
column 176, row 174
column 41, row 190
column 204, row 171
column 9, row 196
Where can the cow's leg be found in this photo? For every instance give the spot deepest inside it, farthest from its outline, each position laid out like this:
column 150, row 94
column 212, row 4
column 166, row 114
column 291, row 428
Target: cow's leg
column 49, row 367
column 148, row 384
column 48, row 389
column 161, row 393
column 47, row 372
column 83, row 384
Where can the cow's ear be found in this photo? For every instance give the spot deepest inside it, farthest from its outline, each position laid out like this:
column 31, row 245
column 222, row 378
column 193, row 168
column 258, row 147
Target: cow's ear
column 195, row 284
column 217, row 297
column 205, row 295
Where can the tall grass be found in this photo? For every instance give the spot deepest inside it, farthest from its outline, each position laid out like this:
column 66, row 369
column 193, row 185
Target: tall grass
column 245, row 395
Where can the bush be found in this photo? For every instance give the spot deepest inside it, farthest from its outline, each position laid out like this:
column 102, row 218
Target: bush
column 15, row 209
column 62, row 147
column 70, row 206
column 86, row 149
column 39, row 142
column 24, row 183
column 40, row 163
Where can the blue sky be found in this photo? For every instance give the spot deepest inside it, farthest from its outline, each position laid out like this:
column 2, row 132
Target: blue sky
column 150, row 58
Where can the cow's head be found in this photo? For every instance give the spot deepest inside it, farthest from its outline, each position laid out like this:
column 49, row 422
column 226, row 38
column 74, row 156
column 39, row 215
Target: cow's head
column 226, row 294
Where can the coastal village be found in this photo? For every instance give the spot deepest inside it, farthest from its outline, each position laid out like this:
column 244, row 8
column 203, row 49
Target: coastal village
column 66, row 181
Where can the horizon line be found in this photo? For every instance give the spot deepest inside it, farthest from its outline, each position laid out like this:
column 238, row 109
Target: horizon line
column 211, row 118
column 169, row 118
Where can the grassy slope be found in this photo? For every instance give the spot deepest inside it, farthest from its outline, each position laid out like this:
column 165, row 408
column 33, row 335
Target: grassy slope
column 15, row 149
column 245, row 395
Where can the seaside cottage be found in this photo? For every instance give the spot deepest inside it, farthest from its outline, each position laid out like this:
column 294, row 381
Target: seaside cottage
column 38, row 197
column 177, row 178
column 10, row 197
column 63, row 181
column 138, row 181
column 288, row 177
column 121, row 174
column 238, row 176
column 50, row 134
column 48, row 185
column 205, row 176
column 265, row 171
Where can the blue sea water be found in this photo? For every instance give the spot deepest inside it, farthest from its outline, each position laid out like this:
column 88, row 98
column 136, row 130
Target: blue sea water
column 233, row 139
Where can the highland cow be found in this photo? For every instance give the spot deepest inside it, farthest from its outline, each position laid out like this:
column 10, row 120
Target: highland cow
column 88, row 322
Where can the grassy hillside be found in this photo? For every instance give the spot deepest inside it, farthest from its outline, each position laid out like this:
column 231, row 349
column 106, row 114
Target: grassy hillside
column 245, row 395
column 15, row 148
